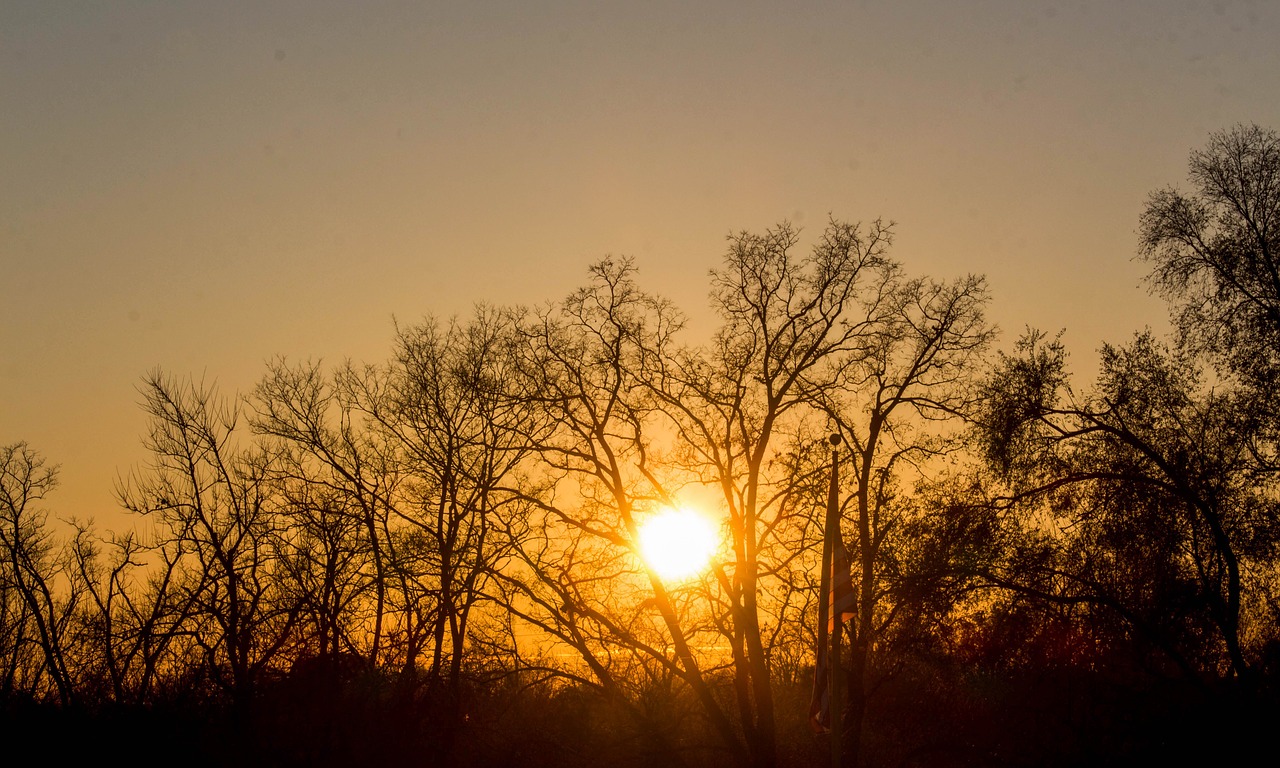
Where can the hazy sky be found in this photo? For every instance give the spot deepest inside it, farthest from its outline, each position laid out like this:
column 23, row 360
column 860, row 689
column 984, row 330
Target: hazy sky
column 203, row 185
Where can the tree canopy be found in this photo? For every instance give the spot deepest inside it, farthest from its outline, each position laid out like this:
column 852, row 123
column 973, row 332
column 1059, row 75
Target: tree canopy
column 438, row 556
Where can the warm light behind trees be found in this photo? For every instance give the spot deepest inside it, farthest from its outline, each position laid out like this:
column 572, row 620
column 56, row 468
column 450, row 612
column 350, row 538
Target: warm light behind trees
column 468, row 518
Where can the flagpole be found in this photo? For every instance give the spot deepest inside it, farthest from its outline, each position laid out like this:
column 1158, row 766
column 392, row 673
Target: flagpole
column 824, row 597
column 829, row 534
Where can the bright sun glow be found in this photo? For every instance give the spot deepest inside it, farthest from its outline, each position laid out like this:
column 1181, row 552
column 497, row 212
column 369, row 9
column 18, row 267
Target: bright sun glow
column 677, row 543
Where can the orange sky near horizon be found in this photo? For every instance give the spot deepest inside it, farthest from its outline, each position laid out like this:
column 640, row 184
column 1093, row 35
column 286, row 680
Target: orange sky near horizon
column 202, row 186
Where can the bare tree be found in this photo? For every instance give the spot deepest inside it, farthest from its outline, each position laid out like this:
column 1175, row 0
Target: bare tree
column 580, row 579
column 136, row 612
column 639, row 416
column 900, row 407
column 461, row 442
column 324, row 560
column 29, row 573
column 336, row 472
column 415, row 452
column 212, row 498
column 791, row 325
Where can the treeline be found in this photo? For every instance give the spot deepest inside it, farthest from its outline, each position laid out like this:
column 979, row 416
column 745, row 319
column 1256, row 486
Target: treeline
column 433, row 560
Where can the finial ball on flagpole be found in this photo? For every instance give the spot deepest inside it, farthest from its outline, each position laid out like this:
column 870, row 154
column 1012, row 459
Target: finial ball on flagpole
column 834, row 439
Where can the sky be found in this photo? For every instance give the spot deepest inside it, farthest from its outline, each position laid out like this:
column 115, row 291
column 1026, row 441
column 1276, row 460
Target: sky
column 202, row 186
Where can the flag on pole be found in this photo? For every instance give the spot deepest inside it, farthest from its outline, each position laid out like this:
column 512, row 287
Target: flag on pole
column 842, row 603
column 841, row 606
column 838, row 602
column 820, row 706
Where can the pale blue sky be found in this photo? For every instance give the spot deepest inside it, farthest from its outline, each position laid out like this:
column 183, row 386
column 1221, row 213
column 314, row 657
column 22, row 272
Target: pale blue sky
column 204, row 185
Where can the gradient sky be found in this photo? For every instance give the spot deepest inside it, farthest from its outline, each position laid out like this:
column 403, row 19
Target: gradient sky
column 203, row 185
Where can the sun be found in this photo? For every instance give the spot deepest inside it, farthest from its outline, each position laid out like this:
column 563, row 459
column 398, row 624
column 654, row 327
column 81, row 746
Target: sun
column 677, row 543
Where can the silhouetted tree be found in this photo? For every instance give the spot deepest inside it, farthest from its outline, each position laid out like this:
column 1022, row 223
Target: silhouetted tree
column 136, row 614
column 1215, row 256
column 35, row 615
column 341, row 482
column 211, row 497
column 415, row 452
column 900, row 405
column 639, row 415
column 461, row 440
column 579, row 579
column 1148, row 484
column 1158, row 483
column 792, row 325
column 443, row 547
